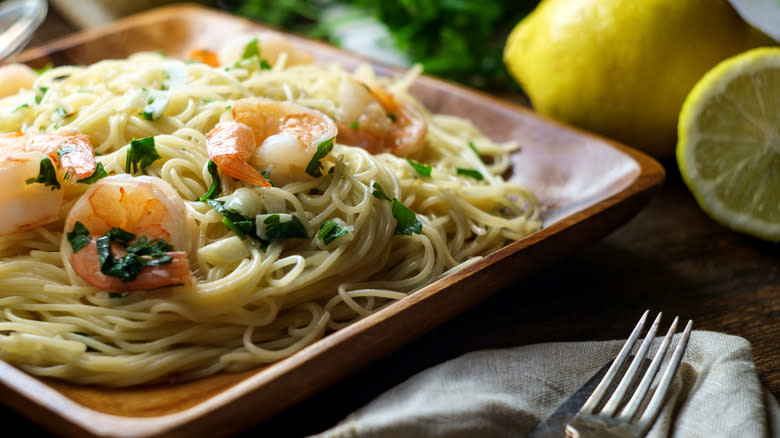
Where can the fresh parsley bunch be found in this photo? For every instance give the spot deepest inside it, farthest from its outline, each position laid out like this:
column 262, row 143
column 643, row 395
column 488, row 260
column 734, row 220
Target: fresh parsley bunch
column 458, row 40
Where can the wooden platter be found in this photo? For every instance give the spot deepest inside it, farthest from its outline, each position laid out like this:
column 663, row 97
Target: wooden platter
column 588, row 186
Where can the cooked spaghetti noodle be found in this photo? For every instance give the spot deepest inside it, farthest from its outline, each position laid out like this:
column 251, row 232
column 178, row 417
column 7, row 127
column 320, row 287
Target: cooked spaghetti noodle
column 248, row 303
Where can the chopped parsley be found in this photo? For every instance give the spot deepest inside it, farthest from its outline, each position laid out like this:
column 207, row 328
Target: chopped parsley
column 41, row 92
column 471, row 173
column 140, row 155
column 155, row 107
column 216, row 186
column 99, row 173
column 315, row 166
column 392, row 116
column 379, row 192
column 140, row 254
column 64, row 151
column 474, row 148
column 267, row 175
column 331, row 230
column 61, row 112
column 43, row 70
column 271, row 227
column 355, row 125
column 407, row 219
column 275, row 229
column 422, row 169
column 79, row 237
column 236, row 222
column 251, row 49
column 46, row 175
column 24, row 105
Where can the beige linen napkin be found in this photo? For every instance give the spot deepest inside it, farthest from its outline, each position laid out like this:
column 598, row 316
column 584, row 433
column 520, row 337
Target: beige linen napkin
column 505, row 393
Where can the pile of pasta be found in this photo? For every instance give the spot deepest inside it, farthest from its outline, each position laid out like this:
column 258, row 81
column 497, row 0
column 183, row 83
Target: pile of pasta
column 372, row 228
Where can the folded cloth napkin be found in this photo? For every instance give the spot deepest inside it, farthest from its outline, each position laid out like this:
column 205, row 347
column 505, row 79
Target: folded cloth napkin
column 507, row 392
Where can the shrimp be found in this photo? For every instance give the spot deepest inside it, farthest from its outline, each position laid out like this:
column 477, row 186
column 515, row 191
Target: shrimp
column 15, row 77
column 26, row 201
column 270, row 46
column 265, row 133
column 152, row 252
column 204, row 56
column 372, row 118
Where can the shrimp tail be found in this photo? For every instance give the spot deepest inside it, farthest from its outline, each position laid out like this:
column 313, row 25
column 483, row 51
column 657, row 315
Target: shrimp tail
column 241, row 170
column 230, row 147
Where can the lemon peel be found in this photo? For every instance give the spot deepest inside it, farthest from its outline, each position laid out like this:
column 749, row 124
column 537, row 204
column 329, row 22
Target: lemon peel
column 622, row 68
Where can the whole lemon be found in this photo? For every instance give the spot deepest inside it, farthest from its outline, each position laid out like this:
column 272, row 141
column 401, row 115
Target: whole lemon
column 622, row 68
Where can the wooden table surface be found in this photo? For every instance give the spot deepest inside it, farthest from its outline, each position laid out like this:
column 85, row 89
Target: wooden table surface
column 671, row 257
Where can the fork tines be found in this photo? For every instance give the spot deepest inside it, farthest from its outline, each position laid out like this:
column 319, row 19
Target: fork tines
column 622, row 410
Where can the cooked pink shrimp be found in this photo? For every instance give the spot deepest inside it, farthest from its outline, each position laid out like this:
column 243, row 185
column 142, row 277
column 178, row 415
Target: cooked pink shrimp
column 25, row 204
column 15, row 77
column 373, row 119
column 145, row 206
column 264, row 134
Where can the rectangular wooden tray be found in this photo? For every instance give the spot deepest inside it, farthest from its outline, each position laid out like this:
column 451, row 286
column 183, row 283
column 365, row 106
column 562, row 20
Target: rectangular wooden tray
column 588, row 186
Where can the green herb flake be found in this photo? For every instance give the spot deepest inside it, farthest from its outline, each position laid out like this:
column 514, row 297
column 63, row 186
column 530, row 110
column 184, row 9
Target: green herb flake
column 331, row 230
column 99, row 173
column 406, row 218
column 216, row 185
column 43, row 70
column 267, row 175
column 140, row 254
column 471, row 173
column 155, row 107
column 264, row 65
column 392, row 116
column 46, row 175
column 474, row 148
column 64, row 151
column 379, row 192
column 292, row 229
column 140, row 155
column 78, row 237
column 24, row 105
column 315, row 166
column 39, row 95
column 422, row 169
column 120, row 235
column 251, row 49
column 239, row 224
column 61, row 112
column 355, row 125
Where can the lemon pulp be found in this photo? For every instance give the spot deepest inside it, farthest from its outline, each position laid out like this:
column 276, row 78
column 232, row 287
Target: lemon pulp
column 729, row 143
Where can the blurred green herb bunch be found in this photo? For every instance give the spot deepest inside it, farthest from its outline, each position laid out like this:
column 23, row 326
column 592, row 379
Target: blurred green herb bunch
column 458, row 40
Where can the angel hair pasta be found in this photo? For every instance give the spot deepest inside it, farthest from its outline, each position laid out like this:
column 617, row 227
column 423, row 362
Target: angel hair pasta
column 166, row 220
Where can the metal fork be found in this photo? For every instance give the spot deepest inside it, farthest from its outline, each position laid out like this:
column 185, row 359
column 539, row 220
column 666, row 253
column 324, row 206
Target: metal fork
column 633, row 418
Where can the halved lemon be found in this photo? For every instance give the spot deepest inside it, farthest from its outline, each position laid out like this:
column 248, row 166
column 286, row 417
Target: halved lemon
column 728, row 147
